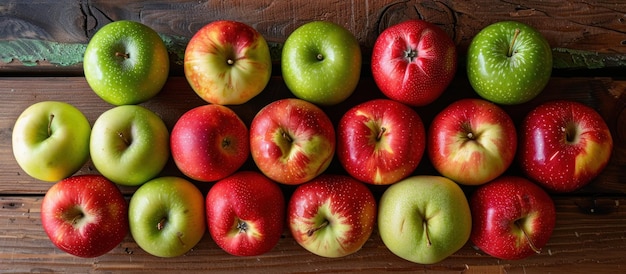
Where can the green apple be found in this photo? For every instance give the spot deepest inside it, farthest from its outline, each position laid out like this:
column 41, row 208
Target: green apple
column 126, row 62
column 129, row 144
column 51, row 140
column 424, row 219
column 509, row 63
column 321, row 62
column 166, row 216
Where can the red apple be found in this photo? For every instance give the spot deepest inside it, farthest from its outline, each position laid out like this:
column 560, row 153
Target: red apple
column 292, row 141
column 245, row 213
column 332, row 215
column 380, row 141
column 227, row 62
column 472, row 141
column 85, row 215
column 564, row 145
column 512, row 218
column 209, row 143
column 413, row 62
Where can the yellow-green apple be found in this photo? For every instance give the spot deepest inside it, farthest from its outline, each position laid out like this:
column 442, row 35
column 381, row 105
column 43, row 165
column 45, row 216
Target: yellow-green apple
column 564, row 145
column 129, row 144
column 227, row 62
column 126, row 62
column 380, row 141
column 332, row 215
column 321, row 62
column 292, row 141
column 85, row 215
column 513, row 218
column 209, row 142
column 413, row 62
column 424, row 219
column 50, row 140
column 245, row 213
column 509, row 62
column 472, row 141
column 166, row 216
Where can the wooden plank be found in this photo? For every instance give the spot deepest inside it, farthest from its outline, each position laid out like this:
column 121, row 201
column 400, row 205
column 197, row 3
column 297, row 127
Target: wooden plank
column 578, row 31
column 582, row 242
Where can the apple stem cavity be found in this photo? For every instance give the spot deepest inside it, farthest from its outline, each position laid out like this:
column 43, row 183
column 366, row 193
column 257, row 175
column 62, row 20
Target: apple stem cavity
column 530, row 242
column 121, row 54
column 311, row 231
column 571, row 133
column 50, row 125
column 515, row 35
column 425, row 227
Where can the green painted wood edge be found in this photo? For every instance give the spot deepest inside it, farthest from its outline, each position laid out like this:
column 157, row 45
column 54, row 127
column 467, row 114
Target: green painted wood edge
column 30, row 52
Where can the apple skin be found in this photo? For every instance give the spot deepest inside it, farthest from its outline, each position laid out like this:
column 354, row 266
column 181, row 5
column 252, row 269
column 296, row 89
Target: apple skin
column 209, row 142
column 436, row 203
column 506, row 213
column 332, row 215
column 227, row 62
column 321, row 62
column 472, row 141
column 126, row 62
column 50, row 140
column 292, row 141
column 85, row 215
column 129, row 144
column 564, row 145
column 166, row 216
column 413, row 62
column 380, row 141
column 509, row 78
column 245, row 213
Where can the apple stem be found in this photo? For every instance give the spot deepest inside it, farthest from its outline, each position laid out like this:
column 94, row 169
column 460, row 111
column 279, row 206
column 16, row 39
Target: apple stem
column 242, row 226
column 50, row 125
column 286, row 136
column 121, row 54
column 161, row 224
column 121, row 135
column 313, row 230
column 470, row 135
column 381, row 132
column 515, row 35
column 425, row 227
column 530, row 242
column 319, row 57
column 410, row 54
column 230, row 62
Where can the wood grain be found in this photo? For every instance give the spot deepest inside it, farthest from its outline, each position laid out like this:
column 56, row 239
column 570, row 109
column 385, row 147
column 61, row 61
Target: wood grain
column 582, row 242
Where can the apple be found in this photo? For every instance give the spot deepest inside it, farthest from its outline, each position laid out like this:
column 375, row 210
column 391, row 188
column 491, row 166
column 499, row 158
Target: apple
column 209, row 142
column 227, row 62
column 166, row 216
column 245, row 213
column 129, row 144
column 413, row 62
column 513, row 218
column 126, row 62
column 380, row 141
column 564, row 145
column 472, row 141
column 509, row 62
column 292, row 141
column 321, row 62
column 85, row 215
column 50, row 140
column 332, row 215
column 424, row 219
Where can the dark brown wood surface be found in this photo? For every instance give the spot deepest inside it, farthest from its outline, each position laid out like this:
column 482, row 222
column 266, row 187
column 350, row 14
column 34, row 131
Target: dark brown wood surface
column 588, row 39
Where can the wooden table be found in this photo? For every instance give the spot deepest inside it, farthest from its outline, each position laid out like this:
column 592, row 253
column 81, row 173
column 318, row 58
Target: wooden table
column 40, row 53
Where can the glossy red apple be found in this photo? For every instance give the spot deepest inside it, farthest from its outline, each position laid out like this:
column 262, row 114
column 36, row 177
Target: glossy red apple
column 413, row 62
column 564, row 145
column 380, row 141
column 332, row 215
column 472, row 141
column 292, row 141
column 85, row 215
column 245, row 213
column 512, row 218
column 227, row 62
column 209, row 142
